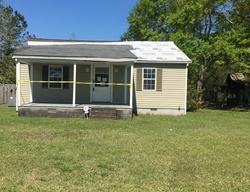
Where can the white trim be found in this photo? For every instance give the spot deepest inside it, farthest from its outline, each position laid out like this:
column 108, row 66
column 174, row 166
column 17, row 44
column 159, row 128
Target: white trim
column 111, row 80
column 73, row 58
column 74, row 86
column 18, row 79
column 92, row 85
column 163, row 62
column 131, row 85
column 186, row 81
column 126, row 82
column 31, row 68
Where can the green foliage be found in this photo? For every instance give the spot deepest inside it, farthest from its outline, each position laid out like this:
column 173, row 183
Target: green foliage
column 213, row 33
column 12, row 36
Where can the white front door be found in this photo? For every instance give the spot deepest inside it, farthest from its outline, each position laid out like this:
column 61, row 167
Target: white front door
column 101, row 90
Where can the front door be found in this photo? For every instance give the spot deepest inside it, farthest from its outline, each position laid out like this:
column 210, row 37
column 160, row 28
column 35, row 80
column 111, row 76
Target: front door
column 101, row 88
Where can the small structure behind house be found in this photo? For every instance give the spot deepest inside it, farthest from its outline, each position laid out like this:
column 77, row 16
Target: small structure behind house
column 237, row 90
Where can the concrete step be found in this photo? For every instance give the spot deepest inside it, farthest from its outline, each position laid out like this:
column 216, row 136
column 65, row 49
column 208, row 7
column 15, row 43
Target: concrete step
column 103, row 113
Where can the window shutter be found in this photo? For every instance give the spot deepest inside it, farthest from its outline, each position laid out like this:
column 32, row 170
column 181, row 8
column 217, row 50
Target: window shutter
column 139, row 80
column 65, row 76
column 45, row 71
column 159, row 80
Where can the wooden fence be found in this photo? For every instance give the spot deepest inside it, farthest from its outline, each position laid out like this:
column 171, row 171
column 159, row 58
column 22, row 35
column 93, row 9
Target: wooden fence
column 6, row 91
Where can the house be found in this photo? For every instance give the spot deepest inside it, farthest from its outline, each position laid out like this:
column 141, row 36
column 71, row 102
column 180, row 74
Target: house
column 133, row 76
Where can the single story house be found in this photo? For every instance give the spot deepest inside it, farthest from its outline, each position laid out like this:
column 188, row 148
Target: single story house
column 143, row 77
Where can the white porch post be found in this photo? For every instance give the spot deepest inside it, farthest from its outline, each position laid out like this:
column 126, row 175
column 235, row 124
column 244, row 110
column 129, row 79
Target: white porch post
column 74, row 86
column 126, row 87
column 31, row 83
column 18, row 85
column 131, row 85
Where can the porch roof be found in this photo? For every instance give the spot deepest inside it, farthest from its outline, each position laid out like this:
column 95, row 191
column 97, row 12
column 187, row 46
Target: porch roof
column 82, row 51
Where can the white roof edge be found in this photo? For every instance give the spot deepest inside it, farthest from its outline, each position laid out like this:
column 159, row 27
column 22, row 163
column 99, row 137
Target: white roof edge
column 73, row 58
column 93, row 43
column 169, row 62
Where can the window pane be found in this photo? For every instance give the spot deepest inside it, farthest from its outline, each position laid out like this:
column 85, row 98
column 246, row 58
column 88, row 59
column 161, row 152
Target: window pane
column 149, row 79
column 55, row 74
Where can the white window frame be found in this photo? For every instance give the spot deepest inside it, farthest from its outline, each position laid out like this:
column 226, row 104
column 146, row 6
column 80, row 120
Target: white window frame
column 50, row 78
column 143, row 78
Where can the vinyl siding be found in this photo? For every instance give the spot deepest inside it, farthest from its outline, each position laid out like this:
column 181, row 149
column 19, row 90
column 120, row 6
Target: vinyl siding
column 172, row 95
column 44, row 95
column 82, row 90
column 25, row 86
column 118, row 90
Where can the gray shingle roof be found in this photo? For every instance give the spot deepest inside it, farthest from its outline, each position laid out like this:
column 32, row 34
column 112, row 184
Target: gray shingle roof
column 82, row 50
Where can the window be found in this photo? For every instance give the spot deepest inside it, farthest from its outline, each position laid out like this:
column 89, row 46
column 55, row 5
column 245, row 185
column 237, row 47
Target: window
column 55, row 74
column 149, row 78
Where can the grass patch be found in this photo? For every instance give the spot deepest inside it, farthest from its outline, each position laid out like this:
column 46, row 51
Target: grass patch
column 207, row 150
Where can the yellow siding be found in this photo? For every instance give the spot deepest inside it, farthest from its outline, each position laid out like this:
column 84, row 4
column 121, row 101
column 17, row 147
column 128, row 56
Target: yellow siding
column 173, row 92
column 25, row 86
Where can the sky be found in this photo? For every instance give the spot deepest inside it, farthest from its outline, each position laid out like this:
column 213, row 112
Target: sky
column 81, row 19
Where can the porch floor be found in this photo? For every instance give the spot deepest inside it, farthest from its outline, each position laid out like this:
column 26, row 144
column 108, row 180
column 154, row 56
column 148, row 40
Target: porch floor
column 59, row 105
column 97, row 110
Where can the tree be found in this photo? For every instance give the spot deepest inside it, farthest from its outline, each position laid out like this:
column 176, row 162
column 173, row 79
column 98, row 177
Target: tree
column 12, row 35
column 204, row 29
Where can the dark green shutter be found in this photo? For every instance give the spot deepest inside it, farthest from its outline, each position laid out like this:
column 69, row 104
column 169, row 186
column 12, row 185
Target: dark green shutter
column 65, row 76
column 45, row 71
column 159, row 80
column 139, row 80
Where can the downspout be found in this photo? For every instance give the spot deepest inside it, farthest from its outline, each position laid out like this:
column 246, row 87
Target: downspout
column 18, row 84
column 186, row 88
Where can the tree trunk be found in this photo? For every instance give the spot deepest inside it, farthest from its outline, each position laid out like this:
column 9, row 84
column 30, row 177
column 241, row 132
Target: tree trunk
column 200, row 81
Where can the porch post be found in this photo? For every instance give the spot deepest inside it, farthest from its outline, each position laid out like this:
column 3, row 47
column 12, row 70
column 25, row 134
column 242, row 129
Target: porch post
column 126, row 87
column 131, row 85
column 31, row 79
column 74, row 86
column 18, row 85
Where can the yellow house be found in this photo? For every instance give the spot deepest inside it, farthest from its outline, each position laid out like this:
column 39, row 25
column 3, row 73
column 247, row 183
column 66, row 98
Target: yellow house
column 139, row 77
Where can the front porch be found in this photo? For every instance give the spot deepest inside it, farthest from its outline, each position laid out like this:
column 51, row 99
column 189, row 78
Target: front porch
column 97, row 111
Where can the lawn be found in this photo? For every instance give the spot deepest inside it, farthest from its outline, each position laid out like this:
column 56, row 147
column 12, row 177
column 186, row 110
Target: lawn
column 207, row 150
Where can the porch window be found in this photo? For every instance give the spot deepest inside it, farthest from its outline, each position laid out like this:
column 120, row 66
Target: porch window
column 55, row 74
column 149, row 78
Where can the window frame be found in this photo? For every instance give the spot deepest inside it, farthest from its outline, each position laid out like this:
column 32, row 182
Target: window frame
column 148, row 79
column 49, row 77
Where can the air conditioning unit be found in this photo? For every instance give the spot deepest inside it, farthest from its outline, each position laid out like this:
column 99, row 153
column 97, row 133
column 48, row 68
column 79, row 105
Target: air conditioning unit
column 12, row 101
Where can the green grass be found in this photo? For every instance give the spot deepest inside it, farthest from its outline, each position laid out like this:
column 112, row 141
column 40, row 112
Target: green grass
column 207, row 150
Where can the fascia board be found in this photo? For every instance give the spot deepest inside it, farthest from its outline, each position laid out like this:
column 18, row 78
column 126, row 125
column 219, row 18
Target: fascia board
column 169, row 62
column 73, row 58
